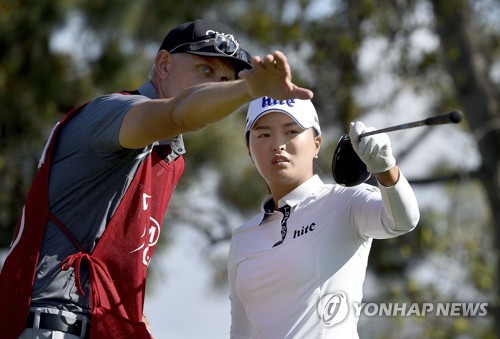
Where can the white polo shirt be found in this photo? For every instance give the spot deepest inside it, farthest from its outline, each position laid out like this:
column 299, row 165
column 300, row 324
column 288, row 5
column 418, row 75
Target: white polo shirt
column 275, row 292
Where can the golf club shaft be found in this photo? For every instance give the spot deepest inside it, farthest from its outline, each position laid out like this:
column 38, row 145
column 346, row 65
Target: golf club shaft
column 451, row 117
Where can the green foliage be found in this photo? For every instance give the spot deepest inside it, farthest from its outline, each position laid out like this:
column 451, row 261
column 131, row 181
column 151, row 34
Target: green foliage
column 116, row 45
column 38, row 83
column 30, row 94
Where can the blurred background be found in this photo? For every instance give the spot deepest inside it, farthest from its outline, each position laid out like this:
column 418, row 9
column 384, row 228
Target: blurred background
column 383, row 62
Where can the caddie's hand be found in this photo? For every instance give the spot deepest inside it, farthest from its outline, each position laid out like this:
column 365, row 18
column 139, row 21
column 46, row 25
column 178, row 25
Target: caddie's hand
column 271, row 76
column 375, row 150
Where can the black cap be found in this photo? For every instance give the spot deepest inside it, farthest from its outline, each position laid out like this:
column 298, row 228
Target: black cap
column 201, row 37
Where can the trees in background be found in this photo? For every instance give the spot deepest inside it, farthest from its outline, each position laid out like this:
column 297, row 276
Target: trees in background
column 362, row 58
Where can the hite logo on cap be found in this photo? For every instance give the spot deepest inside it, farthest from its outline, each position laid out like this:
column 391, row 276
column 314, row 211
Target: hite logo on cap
column 266, row 104
column 302, row 111
column 271, row 102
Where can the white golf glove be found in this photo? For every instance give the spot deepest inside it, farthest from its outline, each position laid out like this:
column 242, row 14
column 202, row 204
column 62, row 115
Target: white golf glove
column 375, row 150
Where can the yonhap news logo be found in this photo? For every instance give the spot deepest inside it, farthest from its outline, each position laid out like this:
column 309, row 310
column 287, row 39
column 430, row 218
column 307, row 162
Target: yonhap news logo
column 333, row 308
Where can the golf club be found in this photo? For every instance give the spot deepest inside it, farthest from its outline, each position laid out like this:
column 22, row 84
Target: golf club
column 349, row 170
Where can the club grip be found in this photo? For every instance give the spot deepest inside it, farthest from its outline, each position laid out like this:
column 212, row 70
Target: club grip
column 451, row 117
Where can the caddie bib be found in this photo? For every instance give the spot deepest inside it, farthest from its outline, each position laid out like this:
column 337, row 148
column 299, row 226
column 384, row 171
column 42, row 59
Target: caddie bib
column 117, row 265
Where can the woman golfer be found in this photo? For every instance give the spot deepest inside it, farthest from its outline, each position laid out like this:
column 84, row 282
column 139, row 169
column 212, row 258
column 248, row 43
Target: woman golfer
column 297, row 268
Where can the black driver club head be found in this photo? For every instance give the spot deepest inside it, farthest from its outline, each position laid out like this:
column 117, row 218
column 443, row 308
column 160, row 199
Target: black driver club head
column 347, row 168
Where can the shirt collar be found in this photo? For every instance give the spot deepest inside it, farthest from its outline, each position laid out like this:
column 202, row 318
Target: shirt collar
column 301, row 192
column 293, row 198
column 148, row 90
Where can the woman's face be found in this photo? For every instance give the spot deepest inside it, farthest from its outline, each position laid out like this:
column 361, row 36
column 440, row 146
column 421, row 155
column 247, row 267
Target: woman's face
column 282, row 151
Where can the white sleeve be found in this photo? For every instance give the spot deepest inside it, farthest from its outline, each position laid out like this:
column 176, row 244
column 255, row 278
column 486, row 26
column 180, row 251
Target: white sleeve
column 240, row 325
column 396, row 214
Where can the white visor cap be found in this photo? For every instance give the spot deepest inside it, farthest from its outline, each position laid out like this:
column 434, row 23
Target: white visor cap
column 302, row 111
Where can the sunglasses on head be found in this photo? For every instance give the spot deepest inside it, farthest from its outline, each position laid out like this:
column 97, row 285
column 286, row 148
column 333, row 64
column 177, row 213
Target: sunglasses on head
column 224, row 44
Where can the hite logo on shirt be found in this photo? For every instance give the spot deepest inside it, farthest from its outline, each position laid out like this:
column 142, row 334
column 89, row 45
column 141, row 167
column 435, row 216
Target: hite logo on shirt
column 304, row 230
column 151, row 233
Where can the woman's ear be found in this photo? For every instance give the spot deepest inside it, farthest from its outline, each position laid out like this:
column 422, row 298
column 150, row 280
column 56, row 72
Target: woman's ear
column 250, row 155
column 161, row 63
column 247, row 141
column 317, row 142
